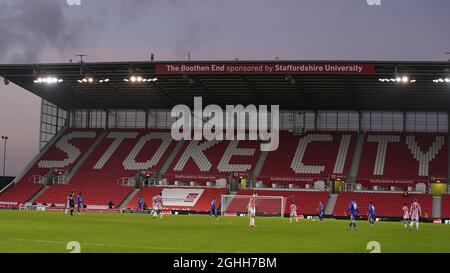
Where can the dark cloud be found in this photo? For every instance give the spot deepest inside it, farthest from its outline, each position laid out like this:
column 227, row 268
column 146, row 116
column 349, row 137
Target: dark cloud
column 130, row 10
column 29, row 27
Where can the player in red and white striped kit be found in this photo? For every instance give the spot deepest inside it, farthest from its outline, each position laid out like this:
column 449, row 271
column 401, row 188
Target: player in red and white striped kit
column 157, row 205
column 293, row 213
column 252, row 209
column 405, row 215
column 415, row 212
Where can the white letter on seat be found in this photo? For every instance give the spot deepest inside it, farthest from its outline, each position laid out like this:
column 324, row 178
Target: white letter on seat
column 424, row 158
column 342, row 154
column 71, row 151
column 297, row 165
column 381, row 150
column 119, row 137
column 232, row 150
column 130, row 162
column 195, row 151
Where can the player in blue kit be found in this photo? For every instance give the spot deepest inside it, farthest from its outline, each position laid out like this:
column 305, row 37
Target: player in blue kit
column 79, row 203
column 353, row 209
column 213, row 208
column 371, row 214
column 321, row 211
column 140, row 203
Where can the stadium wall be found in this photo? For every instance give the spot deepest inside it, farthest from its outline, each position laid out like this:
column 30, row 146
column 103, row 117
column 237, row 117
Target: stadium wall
column 296, row 121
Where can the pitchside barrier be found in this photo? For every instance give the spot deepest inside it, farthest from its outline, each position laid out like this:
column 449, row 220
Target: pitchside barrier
column 32, row 207
column 237, row 205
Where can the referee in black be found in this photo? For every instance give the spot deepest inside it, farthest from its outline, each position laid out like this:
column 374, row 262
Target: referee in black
column 71, row 202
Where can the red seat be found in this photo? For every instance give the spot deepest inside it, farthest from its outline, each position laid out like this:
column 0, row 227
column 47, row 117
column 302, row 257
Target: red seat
column 322, row 153
column 25, row 189
column 99, row 186
column 399, row 167
column 386, row 204
column 213, row 154
column 307, row 201
column 203, row 204
column 445, row 206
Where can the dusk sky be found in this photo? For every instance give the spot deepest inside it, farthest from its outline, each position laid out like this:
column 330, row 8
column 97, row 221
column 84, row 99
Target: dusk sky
column 123, row 30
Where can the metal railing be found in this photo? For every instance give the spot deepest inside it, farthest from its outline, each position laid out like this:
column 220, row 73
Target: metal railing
column 29, row 206
column 349, row 187
column 37, row 179
column 61, row 180
column 127, row 182
column 151, row 181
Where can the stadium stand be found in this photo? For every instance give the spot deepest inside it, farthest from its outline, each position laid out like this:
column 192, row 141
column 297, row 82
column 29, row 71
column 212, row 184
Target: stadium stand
column 402, row 160
column 356, row 102
column 300, row 159
column 121, row 154
column 309, row 157
column 206, row 161
column 63, row 155
column 306, row 201
column 173, row 195
column 445, row 206
column 386, row 204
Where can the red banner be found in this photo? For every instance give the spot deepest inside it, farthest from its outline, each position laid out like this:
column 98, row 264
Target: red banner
column 243, row 175
column 267, row 68
column 145, row 172
column 286, row 180
column 338, row 176
column 390, row 182
column 438, row 179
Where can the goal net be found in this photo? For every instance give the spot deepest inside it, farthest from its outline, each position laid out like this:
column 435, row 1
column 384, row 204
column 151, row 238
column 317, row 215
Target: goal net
column 233, row 205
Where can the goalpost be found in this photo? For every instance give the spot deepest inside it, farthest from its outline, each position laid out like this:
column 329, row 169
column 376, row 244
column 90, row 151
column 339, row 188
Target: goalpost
column 237, row 205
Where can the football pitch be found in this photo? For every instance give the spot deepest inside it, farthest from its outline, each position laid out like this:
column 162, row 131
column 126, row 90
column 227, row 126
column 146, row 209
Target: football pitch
column 28, row 231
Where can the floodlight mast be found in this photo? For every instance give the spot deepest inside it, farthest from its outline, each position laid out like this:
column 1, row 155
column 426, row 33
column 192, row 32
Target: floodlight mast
column 81, row 62
column 81, row 57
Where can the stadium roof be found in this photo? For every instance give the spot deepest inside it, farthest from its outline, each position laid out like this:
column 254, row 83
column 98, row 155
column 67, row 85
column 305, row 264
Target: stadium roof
column 294, row 91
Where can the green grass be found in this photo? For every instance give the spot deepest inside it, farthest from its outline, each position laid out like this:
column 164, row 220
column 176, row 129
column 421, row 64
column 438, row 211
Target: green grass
column 26, row 231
